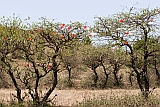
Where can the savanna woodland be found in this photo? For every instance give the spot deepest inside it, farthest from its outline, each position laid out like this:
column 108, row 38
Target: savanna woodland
column 40, row 57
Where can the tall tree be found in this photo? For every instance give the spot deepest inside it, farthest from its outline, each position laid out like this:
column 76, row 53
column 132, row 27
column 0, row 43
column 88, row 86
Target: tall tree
column 125, row 29
column 39, row 45
column 57, row 37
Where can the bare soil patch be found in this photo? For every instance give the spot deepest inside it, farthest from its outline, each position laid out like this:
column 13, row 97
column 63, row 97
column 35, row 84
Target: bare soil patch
column 72, row 97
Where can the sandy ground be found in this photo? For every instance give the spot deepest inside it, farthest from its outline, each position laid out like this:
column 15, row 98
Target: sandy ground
column 71, row 97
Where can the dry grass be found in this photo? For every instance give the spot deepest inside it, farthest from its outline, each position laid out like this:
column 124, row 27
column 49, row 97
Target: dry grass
column 72, row 97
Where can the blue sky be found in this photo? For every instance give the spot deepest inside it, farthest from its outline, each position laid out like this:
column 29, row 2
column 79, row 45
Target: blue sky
column 69, row 10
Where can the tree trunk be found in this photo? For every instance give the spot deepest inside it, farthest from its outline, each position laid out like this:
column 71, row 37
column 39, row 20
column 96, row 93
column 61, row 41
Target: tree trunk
column 130, row 78
column 69, row 84
column 116, row 78
column 145, row 70
column 138, row 76
column 15, row 85
column 146, row 78
column 55, row 81
column 36, row 85
column 133, row 65
column 115, row 75
column 106, row 80
column 104, row 69
column 95, row 77
column 69, row 72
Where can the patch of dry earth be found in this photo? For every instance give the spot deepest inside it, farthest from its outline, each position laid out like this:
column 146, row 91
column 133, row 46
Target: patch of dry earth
column 71, row 97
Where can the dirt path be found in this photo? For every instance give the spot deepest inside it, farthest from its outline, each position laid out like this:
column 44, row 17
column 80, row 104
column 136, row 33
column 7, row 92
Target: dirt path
column 71, row 97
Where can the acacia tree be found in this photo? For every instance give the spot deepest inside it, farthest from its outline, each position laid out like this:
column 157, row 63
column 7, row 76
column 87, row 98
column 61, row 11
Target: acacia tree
column 36, row 68
column 17, row 45
column 94, row 57
column 125, row 29
column 38, row 45
column 57, row 37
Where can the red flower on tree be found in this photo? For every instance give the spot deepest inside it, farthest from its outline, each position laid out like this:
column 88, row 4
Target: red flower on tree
column 28, row 39
column 62, row 26
column 63, row 36
column 73, row 35
column 89, row 34
column 54, row 32
column 127, row 33
column 69, row 28
column 121, row 20
column 27, row 65
column 48, row 66
column 126, row 43
column 85, row 27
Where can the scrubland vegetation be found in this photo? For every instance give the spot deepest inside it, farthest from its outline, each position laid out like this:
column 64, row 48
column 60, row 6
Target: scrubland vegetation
column 40, row 57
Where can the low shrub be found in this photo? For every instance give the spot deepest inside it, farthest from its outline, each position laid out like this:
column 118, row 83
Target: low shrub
column 123, row 101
